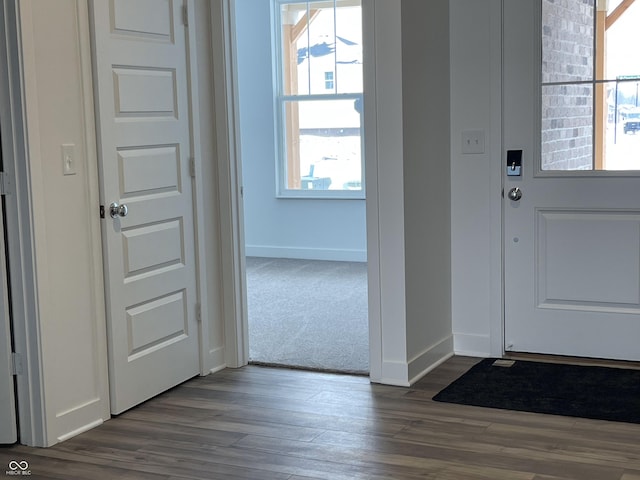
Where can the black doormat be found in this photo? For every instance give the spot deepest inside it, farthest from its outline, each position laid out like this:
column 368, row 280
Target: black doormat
column 577, row 391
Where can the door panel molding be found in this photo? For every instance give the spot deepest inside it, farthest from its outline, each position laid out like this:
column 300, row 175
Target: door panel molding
column 146, row 123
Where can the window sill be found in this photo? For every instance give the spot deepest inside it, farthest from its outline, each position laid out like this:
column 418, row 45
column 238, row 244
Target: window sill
column 320, row 195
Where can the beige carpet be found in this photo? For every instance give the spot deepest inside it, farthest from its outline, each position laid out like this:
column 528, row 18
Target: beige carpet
column 309, row 314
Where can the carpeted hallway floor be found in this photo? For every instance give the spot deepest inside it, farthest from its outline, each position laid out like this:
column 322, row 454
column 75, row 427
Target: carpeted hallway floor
column 308, row 313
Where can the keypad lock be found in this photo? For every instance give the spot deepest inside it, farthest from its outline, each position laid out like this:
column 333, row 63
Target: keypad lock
column 514, row 163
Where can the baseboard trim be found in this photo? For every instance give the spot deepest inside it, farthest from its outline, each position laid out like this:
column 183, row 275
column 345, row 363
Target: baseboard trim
column 78, row 431
column 393, row 373
column 472, row 345
column 216, row 360
column 405, row 374
column 430, row 358
column 339, row 255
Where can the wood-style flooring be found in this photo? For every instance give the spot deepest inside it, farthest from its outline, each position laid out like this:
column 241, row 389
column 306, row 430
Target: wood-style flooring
column 263, row 423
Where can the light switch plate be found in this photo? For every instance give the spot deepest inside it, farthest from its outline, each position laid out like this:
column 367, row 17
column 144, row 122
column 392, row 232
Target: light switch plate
column 472, row 141
column 69, row 159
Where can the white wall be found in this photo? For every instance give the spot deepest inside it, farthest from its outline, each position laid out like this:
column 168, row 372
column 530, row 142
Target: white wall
column 476, row 178
column 385, row 204
column 66, row 224
column 411, row 230
column 65, row 219
column 427, row 181
column 276, row 227
column 409, row 218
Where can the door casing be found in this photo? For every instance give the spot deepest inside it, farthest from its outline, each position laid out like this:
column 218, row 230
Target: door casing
column 29, row 382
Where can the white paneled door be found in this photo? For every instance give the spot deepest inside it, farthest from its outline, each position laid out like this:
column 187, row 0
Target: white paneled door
column 572, row 241
column 8, row 427
column 148, row 230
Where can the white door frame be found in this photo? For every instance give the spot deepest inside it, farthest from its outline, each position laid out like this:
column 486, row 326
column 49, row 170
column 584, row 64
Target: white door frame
column 496, row 304
column 198, row 192
column 236, row 331
column 19, row 216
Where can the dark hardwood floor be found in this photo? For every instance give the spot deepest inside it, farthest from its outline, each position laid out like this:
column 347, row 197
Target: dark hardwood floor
column 263, row 423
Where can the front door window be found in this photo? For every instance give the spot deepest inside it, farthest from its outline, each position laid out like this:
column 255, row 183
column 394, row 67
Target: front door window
column 590, row 78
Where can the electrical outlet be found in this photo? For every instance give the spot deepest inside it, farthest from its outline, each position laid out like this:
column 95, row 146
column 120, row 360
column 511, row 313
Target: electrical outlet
column 473, row 141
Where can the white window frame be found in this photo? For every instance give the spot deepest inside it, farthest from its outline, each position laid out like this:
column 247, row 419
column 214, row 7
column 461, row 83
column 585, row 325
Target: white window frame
column 280, row 100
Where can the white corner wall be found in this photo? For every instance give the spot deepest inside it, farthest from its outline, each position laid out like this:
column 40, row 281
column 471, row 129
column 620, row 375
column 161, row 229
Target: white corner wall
column 65, row 221
column 277, row 227
column 385, row 203
column 407, row 105
column 476, row 204
column 427, row 183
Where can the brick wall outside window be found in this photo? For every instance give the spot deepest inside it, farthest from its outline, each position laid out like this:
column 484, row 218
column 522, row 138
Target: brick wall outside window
column 567, row 110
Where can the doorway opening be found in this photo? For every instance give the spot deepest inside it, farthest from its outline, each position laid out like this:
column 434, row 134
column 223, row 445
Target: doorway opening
column 299, row 76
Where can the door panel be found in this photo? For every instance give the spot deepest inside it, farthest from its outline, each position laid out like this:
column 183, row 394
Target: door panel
column 143, row 118
column 581, row 254
column 572, row 242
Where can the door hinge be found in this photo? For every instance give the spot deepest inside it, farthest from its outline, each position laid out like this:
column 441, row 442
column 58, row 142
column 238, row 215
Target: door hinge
column 6, row 185
column 185, row 16
column 101, row 211
column 198, row 313
column 192, row 167
column 16, row 363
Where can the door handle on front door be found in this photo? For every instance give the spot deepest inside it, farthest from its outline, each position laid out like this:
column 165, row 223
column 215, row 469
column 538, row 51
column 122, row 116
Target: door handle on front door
column 117, row 210
column 515, row 194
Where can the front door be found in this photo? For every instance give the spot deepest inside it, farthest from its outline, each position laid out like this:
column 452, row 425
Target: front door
column 571, row 223
column 140, row 66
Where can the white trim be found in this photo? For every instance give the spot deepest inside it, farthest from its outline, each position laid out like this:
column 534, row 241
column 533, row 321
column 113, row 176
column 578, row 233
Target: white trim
column 230, row 181
column 385, row 200
column 370, row 124
column 496, row 286
column 392, row 373
column 198, row 192
column 472, row 345
column 26, row 326
column 429, row 358
column 431, row 367
column 217, row 360
column 78, row 431
column 8, row 360
column 336, row 255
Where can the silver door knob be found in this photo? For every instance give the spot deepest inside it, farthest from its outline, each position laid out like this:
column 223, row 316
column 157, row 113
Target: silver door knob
column 515, row 194
column 117, row 210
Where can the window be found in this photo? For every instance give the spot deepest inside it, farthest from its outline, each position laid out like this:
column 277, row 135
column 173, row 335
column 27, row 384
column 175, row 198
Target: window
column 319, row 98
column 590, row 80
column 328, row 81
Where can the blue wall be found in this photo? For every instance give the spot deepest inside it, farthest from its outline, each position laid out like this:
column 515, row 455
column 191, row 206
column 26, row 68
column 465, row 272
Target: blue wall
column 287, row 228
